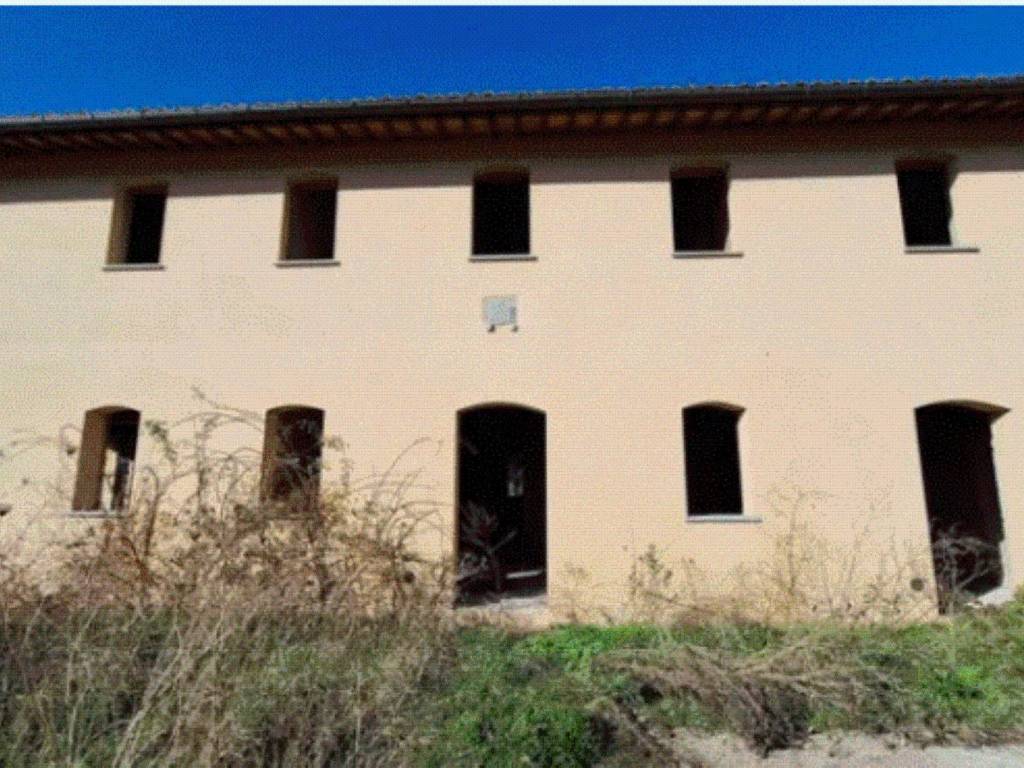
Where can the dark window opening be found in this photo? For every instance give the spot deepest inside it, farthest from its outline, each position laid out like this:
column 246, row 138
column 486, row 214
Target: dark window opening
column 700, row 211
column 144, row 211
column 501, row 214
column 292, row 455
column 312, row 210
column 962, row 499
column 106, row 460
column 925, row 205
column 502, row 502
column 711, row 448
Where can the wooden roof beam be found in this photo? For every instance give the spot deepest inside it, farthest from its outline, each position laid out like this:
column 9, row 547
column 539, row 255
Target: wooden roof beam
column 182, row 137
column 301, row 131
column 1007, row 105
column 83, row 139
column 638, row 119
column 802, row 114
column 831, row 112
column 378, row 129
column 505, row 123
column 454, row 125
column 58, row 140
column 586, row 119
column 352, row 130
column 750, row 114
column 557, row 121
column 230, row 134
column 974, row 106
column 777, row 113
column 859, row 111
column 693, row 117
column 428, row 126
column 664, row 117
column 254, row 133
column 12, row 141
column 279, row 133
column 402, row 127
column 531, row 123
column 326, row 131
column 721, row 114
column 612, row 118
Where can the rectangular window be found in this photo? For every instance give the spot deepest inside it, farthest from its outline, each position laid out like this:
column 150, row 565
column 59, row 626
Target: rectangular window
column 925, row 205
column 700, row 210
column 312, row 210
column 106, row 460
column 142, row 226
column 712, row 454
column 501, row 214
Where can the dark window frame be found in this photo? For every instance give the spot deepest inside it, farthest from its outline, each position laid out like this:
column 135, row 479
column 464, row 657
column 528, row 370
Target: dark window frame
column 496, row 232
column 133, row 244
column 302, row 239
column 926, row 204
column 712, row 460
column 284, row 474
column 708, row 231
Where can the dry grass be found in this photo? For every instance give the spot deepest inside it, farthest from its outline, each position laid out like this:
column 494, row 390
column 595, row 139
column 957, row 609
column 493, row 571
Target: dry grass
column 807, row 576
column 203, row 627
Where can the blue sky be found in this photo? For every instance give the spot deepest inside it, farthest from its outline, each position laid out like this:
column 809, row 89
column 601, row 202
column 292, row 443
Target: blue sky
column 69, row 59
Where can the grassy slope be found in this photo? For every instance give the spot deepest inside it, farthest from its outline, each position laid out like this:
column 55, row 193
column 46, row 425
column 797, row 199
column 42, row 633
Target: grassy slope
column 542, row 699
column 278, row 694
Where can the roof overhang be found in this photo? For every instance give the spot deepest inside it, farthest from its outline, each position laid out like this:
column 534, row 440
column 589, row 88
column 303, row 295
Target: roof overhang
column 486, row 115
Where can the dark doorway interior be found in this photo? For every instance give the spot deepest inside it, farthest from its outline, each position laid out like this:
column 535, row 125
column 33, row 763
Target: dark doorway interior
column 502, row 502
column 962, row 498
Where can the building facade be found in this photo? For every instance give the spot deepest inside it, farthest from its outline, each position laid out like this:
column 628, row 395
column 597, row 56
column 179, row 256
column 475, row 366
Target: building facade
column 619, row 319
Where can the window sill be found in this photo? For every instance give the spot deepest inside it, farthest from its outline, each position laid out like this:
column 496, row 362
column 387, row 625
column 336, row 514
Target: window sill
column 724, row 519
column 503, row 257
column 942, row 249
column 307, row 263
column 133, row 267
column 92, row 514
column 707, row 254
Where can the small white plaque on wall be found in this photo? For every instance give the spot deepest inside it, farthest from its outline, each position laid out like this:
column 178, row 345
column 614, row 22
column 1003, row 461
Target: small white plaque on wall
column 501, row 311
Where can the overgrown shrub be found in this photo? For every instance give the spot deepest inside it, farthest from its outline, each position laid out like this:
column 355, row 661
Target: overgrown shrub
column 206, row 626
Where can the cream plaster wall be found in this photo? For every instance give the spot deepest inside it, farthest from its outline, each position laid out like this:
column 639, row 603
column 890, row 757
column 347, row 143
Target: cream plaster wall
column 825, row 331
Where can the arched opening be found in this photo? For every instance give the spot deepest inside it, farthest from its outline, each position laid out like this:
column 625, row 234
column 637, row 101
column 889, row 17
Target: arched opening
column 292, row 454
column 961, row 492
column 106, row 460
column 502, row 502
column 712, row 458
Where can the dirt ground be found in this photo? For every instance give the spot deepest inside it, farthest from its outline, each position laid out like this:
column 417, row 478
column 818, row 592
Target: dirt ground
column 854, row 751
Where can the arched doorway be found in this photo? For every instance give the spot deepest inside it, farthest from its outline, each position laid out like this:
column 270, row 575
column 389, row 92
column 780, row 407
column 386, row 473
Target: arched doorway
column 502, row 502
column 965, row 518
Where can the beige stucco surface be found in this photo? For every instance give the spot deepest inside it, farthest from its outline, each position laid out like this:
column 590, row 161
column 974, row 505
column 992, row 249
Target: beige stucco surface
column 825, row 331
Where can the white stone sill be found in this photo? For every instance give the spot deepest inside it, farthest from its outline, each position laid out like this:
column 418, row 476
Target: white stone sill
column 724, row 519
column 133, row 267
column 90, row 514
column 307, row 263
column 942, row 249
column 707, row 254
column 503, row 257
